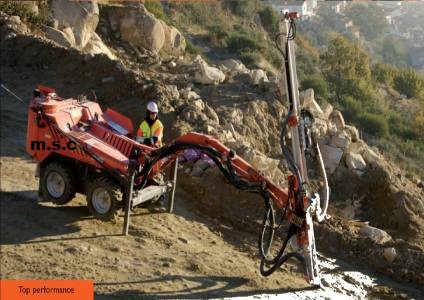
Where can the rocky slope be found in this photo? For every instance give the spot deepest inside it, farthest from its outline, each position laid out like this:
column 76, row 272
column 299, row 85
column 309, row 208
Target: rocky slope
column 243, row 108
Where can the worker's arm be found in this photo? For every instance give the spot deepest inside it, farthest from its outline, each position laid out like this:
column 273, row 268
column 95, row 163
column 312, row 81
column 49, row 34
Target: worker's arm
column 157, row 136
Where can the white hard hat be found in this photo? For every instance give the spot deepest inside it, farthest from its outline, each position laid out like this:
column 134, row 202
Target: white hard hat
column 152, row 107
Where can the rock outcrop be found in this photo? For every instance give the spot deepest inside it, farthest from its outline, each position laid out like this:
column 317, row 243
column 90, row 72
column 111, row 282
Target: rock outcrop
column 138, row 27
column 174, row 42
column 134, row 24
column 206, row 74
column 81, row 17
column 74, row 26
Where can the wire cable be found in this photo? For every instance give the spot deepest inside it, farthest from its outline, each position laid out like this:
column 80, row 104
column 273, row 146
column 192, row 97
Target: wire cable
column 12, row 93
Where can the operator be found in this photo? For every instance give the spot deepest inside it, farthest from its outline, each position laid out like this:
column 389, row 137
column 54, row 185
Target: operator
column 150, row 131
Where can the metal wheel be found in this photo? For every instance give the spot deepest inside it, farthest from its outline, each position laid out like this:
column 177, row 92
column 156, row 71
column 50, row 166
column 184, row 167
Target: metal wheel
column 104, row 199
column 57, row 183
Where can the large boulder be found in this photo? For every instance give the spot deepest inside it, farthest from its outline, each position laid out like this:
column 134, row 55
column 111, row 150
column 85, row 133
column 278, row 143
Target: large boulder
column 262, row 163
column 320, row 127
column 137, row 26
column 235, row 66
column 341, row 140
column 355, row 162
column 81, row 16
column 174, row 43
column 205, row 74
column 258, row 77
column 377, row 235
column 307, row 100
column 96, row 46
column 327, row 109
column 331, row 156
column 354, row 134
column 370, row 156
column 64, row 37
column 337, row 119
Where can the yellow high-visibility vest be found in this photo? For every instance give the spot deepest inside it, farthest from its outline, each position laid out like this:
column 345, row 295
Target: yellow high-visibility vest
column 155, row 130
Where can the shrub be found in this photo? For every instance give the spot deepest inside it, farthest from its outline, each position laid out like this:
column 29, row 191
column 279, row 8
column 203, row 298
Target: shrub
column 217, row 36
column 250, row 59
column 317, row 83
column 408, row 82
column 156, row 8
column 374, row 124
column 402, row 125
column 243, row 8
column 274, row 57
column 418, row 125
column 269, row 19
column 384, row 73
column 352, row 108
column 18, row 9
column 191, row 48
column 239, row 43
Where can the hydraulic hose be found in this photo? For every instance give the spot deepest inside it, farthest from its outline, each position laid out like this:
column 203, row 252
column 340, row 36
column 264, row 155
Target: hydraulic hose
column 267, row 268
column 241, row 184
column 322, row 211
column 212, row 153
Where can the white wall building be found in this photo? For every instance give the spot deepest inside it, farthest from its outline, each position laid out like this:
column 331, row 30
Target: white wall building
column 292, row 6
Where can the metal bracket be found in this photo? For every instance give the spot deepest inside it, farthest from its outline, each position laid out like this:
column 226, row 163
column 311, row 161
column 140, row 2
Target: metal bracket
column 133, row 199
column 174, row 174
column 128, row 196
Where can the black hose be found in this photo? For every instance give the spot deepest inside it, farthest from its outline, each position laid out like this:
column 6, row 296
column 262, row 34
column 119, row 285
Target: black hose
column 270, row 265
column 235, row 180
column 269, row 216
column 212, row 153
column 267, row 267
column 290, row 36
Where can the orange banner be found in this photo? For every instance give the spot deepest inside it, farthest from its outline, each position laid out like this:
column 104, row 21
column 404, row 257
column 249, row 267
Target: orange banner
column 46, row 290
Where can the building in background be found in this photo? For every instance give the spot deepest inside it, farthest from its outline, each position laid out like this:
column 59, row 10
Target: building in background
column 305, row 8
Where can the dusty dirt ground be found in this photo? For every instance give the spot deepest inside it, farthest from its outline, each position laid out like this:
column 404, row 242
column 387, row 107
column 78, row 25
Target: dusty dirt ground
column 185, row 254
column 197, row 252
column 182, row 254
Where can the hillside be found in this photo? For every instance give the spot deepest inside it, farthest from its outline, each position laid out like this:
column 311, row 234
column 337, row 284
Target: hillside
column 246, row 30
column 208, row 248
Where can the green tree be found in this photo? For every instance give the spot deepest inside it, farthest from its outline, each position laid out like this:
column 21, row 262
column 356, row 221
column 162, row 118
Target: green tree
column 317, row 83
column 351, row 108
column 239, row 43
column 384, row 73
column 374, row 124
column 269, row 19
column 408, row 82
column 345, row 66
